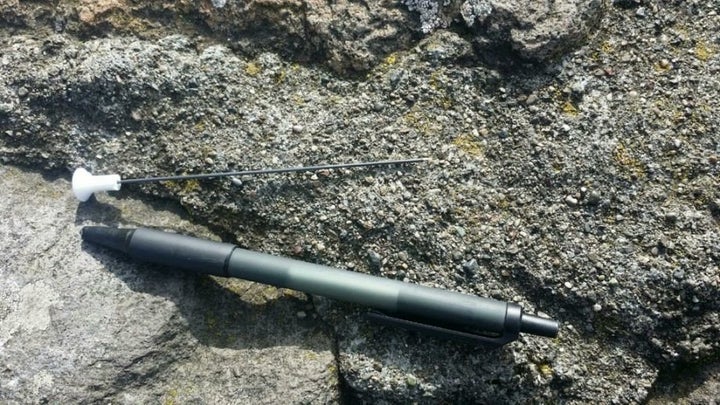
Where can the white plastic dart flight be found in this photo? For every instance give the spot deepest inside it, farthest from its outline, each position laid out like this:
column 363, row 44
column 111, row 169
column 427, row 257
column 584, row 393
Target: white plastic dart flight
column 84, row 184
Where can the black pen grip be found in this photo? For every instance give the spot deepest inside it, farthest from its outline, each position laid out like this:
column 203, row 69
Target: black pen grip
column 180, row 251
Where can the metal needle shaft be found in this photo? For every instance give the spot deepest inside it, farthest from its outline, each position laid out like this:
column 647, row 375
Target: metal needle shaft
column 273, row 171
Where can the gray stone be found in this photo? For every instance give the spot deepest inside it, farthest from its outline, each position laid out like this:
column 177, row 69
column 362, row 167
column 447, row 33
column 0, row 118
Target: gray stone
column 345, row 35
column 81, row 324
column 445, row 46
column 471, row 266
column 152, row 102
column 375, row 259
column 535, row 29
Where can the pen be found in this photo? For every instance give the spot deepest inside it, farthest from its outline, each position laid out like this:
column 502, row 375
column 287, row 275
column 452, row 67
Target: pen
column 435, row 311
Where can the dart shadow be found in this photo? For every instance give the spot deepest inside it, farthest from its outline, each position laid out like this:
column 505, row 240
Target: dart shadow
column 94, row 211
column 255, row 205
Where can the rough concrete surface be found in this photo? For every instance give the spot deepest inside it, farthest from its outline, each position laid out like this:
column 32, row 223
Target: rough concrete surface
column 581, row 183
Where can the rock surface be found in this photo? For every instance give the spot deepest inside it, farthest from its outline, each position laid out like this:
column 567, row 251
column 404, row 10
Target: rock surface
column 79, row 324
column 583, row 188
column 348, row 36
column 535, row 29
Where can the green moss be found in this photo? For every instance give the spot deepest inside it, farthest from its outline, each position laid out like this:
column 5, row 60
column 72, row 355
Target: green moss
column 211, row 322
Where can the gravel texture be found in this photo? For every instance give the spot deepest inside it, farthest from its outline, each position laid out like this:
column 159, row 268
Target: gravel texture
column 582, row 187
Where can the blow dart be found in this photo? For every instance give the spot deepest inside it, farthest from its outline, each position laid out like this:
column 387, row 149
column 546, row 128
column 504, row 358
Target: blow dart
column 84, row 184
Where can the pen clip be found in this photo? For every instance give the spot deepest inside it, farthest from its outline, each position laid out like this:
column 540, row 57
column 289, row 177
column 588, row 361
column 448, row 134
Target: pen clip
column 441, row 332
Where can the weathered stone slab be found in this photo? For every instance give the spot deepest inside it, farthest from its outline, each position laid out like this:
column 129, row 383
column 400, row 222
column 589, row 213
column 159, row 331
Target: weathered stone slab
column 81, row 324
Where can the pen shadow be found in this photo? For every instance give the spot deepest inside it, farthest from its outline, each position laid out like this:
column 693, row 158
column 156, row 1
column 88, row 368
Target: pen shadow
column 387, row 354
column 238, row 314
column 221, row 314
column 218, row 312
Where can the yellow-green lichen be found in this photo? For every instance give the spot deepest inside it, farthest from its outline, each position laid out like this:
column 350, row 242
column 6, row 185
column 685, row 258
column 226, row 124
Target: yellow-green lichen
column 190, row 186
column 170, row 397
column 569, row 109
column 434, row 80
column 390, row 60
column 625, row 158
column 663, row 66
column 200, row 126
column 252, row 69
column 298, row 99
column 545, row 369
column 703, row 51
column 469, row 144
column 607, row 47
column 280, row 76
column 417, row 119
column 186, row 186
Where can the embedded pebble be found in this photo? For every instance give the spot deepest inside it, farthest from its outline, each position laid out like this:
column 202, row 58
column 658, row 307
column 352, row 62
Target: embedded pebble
column 470, row 266
column 374, row 258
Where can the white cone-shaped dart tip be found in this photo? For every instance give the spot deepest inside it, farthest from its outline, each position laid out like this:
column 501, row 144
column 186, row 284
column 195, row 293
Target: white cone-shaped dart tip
column 85, row 184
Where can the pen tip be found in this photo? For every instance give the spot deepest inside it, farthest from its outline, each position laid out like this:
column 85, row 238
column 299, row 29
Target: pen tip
column 539, row 326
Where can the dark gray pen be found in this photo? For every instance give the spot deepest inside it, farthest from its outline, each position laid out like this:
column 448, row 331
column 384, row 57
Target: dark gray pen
column 431, row 310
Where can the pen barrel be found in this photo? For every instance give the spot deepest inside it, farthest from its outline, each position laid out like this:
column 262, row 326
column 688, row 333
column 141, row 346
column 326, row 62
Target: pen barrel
column 410, row 301
column 413, row 302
